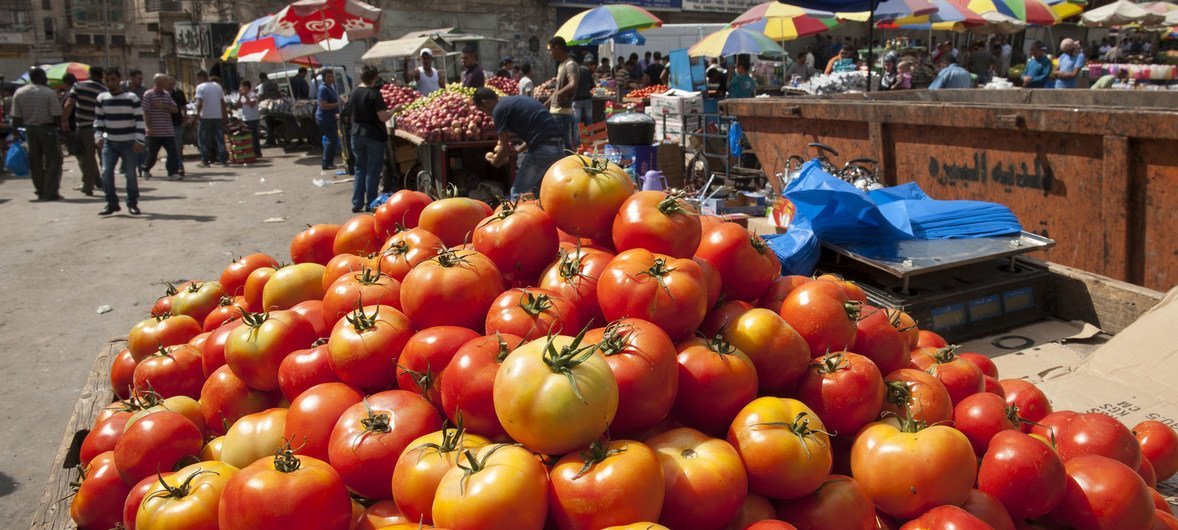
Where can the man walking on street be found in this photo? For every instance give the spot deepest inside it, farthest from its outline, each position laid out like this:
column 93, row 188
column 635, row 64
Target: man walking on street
column 119, row 134
column 158, row 108
column 369, row 113
column 210, row 108
column 560, row 103
column 80, row 102
column 179, row 121
column 134, row 82
column 37, row 108
column 325, row 116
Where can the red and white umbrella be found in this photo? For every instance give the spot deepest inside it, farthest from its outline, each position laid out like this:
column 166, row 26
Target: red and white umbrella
column 314, row 21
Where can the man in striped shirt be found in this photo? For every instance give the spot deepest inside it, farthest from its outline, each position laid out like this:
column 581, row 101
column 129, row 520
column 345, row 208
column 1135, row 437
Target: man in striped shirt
column 158, row 108
column 80, row 103
column 119, row 135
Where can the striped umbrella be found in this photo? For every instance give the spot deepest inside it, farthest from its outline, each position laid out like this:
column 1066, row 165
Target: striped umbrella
column 248, row 32
column 1033, row 12
column 604, row 22
column 781, row 22
column 893, row 9
column 55, row 72
column 950, row 15
column 735, row 41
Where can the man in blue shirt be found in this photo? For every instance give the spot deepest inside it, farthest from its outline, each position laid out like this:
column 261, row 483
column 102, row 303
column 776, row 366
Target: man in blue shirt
column 1071, row 64
column 1038, row 69
column 524, row 118
column 325, row 117
column 952, row 75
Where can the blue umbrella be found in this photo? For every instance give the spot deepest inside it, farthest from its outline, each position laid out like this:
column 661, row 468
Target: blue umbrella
column 836, row 6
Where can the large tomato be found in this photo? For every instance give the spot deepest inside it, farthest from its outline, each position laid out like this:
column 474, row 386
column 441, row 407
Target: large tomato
column 421, row 467
column 254, row 436
column 823, row 315
column 303, row 369
column 345, row 264
column 908, row 469
column 186, row 499
column 746, row 263
column 583, row 195
column 780, row 289
column 468, row 381
column 1031, row 402
column 234, row 276
column 705, row 481
column 313, row 415
column 658, row 222
column 779, row 353
column 716, row 380
column 1094, row 433
column 351, row 291
column 98, row 503
column 987, row 508
column 845, row 389
column 662, row 290
column 122, row 374
column 103, row 436
column 1159, row 443
column 1023, row 473
column 365, row 346
column 426, row 355
column 877, row 339
column 402, row 210
column 316, row 244
column 255, row 350
column 960, row 377
column 197, row 300
column 498, row 487
column 574, row 276
column 918, row 395
column 532, row 313
column 545, row 382
column 784, row 447
column 981, row 416
column 643, row 360
column 611, row 483
column 946, row 518
column 453, row 219
column 1051, row 426
column 227, row 309
column 292, row 285
column 155, row 443
column 1102, row 493
column 454, row 288
column 135, row 498
column 287, row 491
column 358, row 235
column 372, row 434
column 172, row 371
column 723, row 316
column 183, row 405
column 225, row 398
column 213, row 351
column 985, row 364
column 406, row 249
column 840, row 502
column 149, row 335
column 521, row 239
column 312, row 310
column 255, row 286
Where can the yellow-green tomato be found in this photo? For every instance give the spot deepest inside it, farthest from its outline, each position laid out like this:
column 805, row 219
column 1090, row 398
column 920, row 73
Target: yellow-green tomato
column 254, row 436
column 187, row 499
column 292, row 285
column 504, row 487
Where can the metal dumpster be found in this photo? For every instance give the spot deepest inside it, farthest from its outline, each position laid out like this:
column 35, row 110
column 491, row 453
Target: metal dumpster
column 1095, row 170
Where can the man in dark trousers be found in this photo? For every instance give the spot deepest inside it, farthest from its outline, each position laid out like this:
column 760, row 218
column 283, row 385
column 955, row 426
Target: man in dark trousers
column 80, row 103
column 368, row 114
column 119, row 134
column 37, row 108
column 299, row 88
column 523, row 118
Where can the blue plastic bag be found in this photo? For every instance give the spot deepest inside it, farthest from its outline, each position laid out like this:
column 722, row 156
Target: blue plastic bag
column 17, row 160
column 735, row 133
column 379, row 200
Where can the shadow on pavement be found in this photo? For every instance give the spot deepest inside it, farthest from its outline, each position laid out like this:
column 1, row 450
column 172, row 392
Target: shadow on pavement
column 7, row 485
column 178, row 217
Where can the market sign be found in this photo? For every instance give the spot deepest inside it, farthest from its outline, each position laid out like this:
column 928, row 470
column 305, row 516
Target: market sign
column 203, row 40
column 719, row 6
column 649, row 5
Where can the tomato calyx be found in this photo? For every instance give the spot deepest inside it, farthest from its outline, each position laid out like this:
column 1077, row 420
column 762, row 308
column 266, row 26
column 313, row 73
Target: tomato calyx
column 285, row 460
column 598, row 451
column 451, row 439
column 160, row 317
column 360, row 320
column 438, row 193
column 758, row 244
column 170, row 291
column 898, row 393
column 945, row 355
column 1011, row 413
column 672, row 205
column 398, row 248
column 571, row 264
column 225, row 300
column 563, row 361
column 659, row 270
column 375, row 422
column 368, row 275
column 448, row 257
column 183, row 489
column 831, row 363
column 894, row 319
column 163, row 351
column 254, row 321
column 474, row 465
column 593, row 165
column 615, row 338
column 194, row 287
column 911, row 425
column 424, row 380
column 535, row 304
column 721, row 346
column 504, row 349
column 800, row 428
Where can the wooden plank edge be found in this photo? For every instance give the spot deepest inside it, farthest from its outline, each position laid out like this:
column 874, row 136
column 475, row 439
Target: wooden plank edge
column 53, row 509
column 1111, row 305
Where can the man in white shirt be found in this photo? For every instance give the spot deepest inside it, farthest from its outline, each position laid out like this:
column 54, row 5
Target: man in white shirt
column 526, row 85
column 248, row 101
column 210, row 109
column 429, row 79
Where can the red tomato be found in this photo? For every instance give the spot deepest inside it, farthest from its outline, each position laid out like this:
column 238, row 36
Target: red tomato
column 316, row 244
column 371, row 435
column 135, row 498
column 611, row 483
column 755, row 509
column 983, row 363
column 255, row 350
column 156, row 442
column 358, row 235
column 365, row 346
column 981, row 416
column 1165, row 520
column 823, row 315
column 918, row 395
column 779, row 290
column 122, row 374
column 1159, row 502
column 771, row 525
column 500, row 487
column 930, row 339
column 275, row 493
column 225, row 399
column 226, row 310
column 662, row 290
column 946, row 518
column 583, row 195
column 406, row 249
column 877, row 339
column 574, row 276
column 746, row 264
column 351, row 291
column 426, row 355
column 185, row 499
column 1051, row 426
column 532, row 313
column 149, row 335
column 163, row 304
column 453, row 219
column 1103, row 493
column 716, row 381
column 312, row 310
column 421, row 467
column 845, row 389
column 520, row 239
column 342, row 265
column 468, row 383
column 643, row 360
column 722, row 318
column 1147, row 472
column 234, row 276
column 985, row 507
column 658, row 222
column 712, row 280
column 98, row 503
column 213, row 352
column 784, row 447
column 1098, row 434
column 403, row 209
column 994, row 387
column 1032, row 403
column 313, row 415
column 705, row 481
column 173, row 371
column 839, row 502
column 960, row 377
column 455, row 288
column 255, row 286
column 906, row 325
column 103, row 436
column 1159, row 443
column 303, row 369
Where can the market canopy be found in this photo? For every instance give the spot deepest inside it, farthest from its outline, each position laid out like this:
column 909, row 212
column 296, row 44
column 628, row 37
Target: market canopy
column 950, row 15
column 735, row 41
column 314, row 21
column 403, row 47
column 998, row 24
column 1120, row 13
column 836, row 6
column 603, row 23
column 782, row 22
column 1032, row 12
column 892, row 9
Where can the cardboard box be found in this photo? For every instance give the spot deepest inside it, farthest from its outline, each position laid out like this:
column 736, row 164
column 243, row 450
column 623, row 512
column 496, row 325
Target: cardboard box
column 677, row 102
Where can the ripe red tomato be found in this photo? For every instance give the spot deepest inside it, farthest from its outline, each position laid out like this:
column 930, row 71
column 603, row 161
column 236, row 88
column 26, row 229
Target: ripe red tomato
column 960, row 377
column 662, row 290
column 98, row 503
column 983, row 363
column 403, row 209
column 406, row 249
column 716, row 380
column 316, row 244
column 823, row 315
column 234, row 276
column 721, row 318
column 103, row 436
column 500, row 487
column 371, row 435
column 994, row 387
column 918, row 395
column 784, row 447
column 358, row 235
column 426, row 355
column 1103, row 493
column 845, row 389
column 574, row 276
column 755, row 509
column 981, row 416
column 930, row 339
column 342, row 265
column 213, row 351
column 455, row 288
column 156, row 442
column 747, row 266
column 985, row 507
column 313, row 415
column 255, row 349
column 350, row 291
column 453, row 219
column 255, row 286
column 779, row 290
column 197, row 300
column 275, row 493
column 946, row 518
column 521, row 240
column 771, row 524
column 1051, row 426
column 303, row 369
column 658, row 222
column 1032, row 403
column 583, row 195
column 163, row 304
column 877, row 339
column 1147, row 472
column 705, row 480
column 172, row 371
column 227, row 309
column 122, row 374
column 1159, row 443
column 840, row 502
column 610, row 483
column 1098, row 434
column 224, row 399
column 906, row 325
column 643, row 360
column 532, row 313
column 468, row 383
column 365, row 346
column 149, row 335
column 1165, row 520
column 135, row 498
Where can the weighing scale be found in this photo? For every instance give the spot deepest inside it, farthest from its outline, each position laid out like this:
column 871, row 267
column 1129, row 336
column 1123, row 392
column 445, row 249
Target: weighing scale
column 959, row 288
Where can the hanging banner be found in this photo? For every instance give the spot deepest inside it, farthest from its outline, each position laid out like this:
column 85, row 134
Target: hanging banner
column 718, row 6
column 193, row 40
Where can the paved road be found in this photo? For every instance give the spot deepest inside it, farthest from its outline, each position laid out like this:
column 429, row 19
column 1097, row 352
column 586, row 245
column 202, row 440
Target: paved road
column 61, row 261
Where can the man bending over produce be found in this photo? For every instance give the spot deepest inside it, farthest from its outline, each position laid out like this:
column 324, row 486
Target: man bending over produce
column 522, row 118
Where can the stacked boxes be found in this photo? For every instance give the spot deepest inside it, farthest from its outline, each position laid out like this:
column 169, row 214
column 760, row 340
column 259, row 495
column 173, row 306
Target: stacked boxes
column 241, row 148
column 668, row 111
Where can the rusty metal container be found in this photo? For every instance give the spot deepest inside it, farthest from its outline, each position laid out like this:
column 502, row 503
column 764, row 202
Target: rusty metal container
column 1095, row 170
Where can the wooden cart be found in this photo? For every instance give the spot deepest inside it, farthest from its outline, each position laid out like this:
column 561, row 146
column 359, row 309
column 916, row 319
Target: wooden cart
column 424, row 165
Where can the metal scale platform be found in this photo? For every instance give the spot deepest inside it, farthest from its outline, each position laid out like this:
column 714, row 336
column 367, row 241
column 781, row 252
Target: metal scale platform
column 959, row 288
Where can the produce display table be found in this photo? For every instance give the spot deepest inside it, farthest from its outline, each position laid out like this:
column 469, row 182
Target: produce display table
column 439, row 163
column 293, row 128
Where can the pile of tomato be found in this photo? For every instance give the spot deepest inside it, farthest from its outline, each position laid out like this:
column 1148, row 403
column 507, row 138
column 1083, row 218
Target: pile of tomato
column 596, row 358
column 647, row 91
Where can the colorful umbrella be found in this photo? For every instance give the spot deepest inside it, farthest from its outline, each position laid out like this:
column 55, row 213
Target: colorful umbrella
column 314, row 21
column 248, row 32
column 1120, row 13
column 1033, row 12
column 268, row 50
column 1065, row 10
column 735, row 41
column 893, row 9
column 55, row 72
column 781, row 22
column 949, row 15
column 603, row 23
